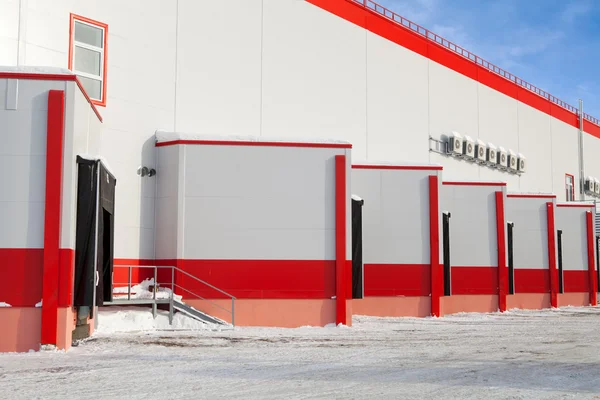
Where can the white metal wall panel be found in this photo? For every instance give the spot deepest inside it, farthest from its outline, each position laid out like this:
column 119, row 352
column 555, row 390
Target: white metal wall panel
column 572, row 222
column 452, row 102
column 265, row 203
column 536, row 143
column 530, row 233
column 314, row 75
column 397, row 101
column 23, row 156
column 473, row 237
column 9, row 31
column 564, row 159
column 395, row 215
column 452, row 107
column 167, row 199
column 219, row 49
column 591, row 159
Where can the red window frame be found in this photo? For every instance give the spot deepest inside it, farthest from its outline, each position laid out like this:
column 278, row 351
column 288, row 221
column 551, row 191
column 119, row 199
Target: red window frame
column 73, row 18
column 572, row 186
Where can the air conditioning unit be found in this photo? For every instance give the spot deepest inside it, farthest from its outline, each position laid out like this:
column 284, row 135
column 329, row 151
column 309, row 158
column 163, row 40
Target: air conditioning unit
column 590, row 185
column 469, row 147
column 502, row 158
column 513, row 162
column 596, row 186
column 480, row 152
column 492, row 155
column 522, row 162
column 455, row 145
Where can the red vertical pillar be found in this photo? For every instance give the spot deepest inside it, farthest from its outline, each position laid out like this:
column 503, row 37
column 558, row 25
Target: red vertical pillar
column 54, row 169
column 437, row 275
column 591, row 259
column 552, row 255
column 340, row 239
column 501, row 239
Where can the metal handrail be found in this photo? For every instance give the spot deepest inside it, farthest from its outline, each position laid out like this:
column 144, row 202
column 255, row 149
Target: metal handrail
column 202, row 298
column 408, row 24
column 173, row 285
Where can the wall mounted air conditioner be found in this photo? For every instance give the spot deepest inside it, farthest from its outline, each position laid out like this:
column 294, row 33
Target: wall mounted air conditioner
column 513, row 162
column 468, row 147
column 455, row 145
column 596, row 186
column 590, row 185
column 502, row 158
column 480, row 152
column 522, row 162
column 492, row 155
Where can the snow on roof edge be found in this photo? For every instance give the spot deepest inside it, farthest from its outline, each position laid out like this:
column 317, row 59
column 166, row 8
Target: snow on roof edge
column 166, row 136
column 35, row 70
column 394, row 164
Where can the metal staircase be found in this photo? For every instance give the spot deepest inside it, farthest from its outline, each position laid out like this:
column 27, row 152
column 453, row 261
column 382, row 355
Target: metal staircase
column 164, row 294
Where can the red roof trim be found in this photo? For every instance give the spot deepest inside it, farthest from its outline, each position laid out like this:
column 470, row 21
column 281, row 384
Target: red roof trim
column 401, row 167
column 51, row 77
column 474, row 183
column 253, row 143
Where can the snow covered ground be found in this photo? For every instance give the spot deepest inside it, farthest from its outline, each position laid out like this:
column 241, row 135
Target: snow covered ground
column 552, row 354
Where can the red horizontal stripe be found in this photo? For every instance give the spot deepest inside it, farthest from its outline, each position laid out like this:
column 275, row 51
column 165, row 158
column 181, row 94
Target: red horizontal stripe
column 21, row 273
column 260, row 279
column 474, row 280
column 122, row 266
column 576, row 205
column 402, row 167
column 576, row 281
column 254, row 143
column 531, row 196
column 474, row 183
column 394, row 32
column 532, row 280
column 52, row 77
column 397, row 279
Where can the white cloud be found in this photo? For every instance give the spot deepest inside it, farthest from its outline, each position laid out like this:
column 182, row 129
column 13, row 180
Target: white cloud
column 575, row 10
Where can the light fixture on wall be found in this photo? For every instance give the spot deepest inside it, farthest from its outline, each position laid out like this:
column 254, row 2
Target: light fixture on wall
column 145, row 171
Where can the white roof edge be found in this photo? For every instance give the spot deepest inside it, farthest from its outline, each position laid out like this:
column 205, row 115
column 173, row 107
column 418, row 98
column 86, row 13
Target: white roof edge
column 35, row 70
column 393, row 164
column 532, row 194
column 576, row 203
column 166, row 136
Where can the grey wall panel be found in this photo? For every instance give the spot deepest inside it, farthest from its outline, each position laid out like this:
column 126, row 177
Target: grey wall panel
column 473, row 237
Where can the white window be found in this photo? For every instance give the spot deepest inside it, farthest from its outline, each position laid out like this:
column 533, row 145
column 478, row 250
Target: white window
column 88, row 55
column 570, row 187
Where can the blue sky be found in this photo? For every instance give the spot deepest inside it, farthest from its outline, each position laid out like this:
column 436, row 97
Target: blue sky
column 552, row 44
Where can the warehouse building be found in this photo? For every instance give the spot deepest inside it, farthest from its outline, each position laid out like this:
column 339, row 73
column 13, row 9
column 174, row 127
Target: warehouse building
column 90, row 90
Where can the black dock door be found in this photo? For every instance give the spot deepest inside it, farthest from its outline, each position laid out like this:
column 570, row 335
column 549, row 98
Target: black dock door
column 560, row 262
column 446, row 246
column 357, row 258
column 511, row 263
column 94, row 241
